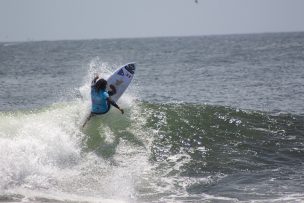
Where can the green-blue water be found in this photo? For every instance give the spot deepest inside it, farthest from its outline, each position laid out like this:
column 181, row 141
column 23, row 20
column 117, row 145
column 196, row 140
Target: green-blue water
column 208, row 119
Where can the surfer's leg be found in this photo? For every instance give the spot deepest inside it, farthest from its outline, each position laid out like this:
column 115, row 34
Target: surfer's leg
column 88, row 118
column 92, row 114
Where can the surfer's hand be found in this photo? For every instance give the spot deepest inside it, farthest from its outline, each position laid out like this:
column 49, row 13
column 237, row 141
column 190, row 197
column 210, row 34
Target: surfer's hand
column 96, row 76
column 113, row 87
column 122, row 111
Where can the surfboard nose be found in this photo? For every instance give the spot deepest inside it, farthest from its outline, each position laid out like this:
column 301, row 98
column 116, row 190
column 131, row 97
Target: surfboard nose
column 130, row 68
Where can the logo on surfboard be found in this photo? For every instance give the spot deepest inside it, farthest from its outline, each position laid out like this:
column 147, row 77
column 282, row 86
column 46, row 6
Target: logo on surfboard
column 130, row 68
column 120, row 72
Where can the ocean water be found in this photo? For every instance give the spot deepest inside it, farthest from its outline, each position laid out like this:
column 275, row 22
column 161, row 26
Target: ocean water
column 207, row 119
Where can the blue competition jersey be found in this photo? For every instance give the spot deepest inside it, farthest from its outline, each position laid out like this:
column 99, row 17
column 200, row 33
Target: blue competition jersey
column 99, row 101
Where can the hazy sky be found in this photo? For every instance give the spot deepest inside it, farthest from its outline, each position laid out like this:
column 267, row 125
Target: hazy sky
column 22, row 20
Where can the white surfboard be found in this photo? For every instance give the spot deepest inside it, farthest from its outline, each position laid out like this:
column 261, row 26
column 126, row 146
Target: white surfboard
column 121, row 79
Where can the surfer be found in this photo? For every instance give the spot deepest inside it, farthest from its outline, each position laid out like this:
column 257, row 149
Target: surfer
column 101, row 100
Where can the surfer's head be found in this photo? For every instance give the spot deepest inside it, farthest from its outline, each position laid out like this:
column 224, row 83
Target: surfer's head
column 101, row 84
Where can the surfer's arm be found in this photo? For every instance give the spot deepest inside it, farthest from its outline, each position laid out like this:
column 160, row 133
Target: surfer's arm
column 94, row 80
column 113, row 103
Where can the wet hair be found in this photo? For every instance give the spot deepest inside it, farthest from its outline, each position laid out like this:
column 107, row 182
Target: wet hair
column 101, row 84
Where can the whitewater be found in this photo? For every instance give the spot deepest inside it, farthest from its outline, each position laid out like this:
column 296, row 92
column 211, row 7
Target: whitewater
column 43, row 151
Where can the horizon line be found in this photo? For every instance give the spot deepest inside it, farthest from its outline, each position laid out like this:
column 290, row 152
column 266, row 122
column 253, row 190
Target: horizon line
column 150, row 37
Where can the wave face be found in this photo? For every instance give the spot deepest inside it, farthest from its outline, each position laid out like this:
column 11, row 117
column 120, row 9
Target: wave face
column 229, row 154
